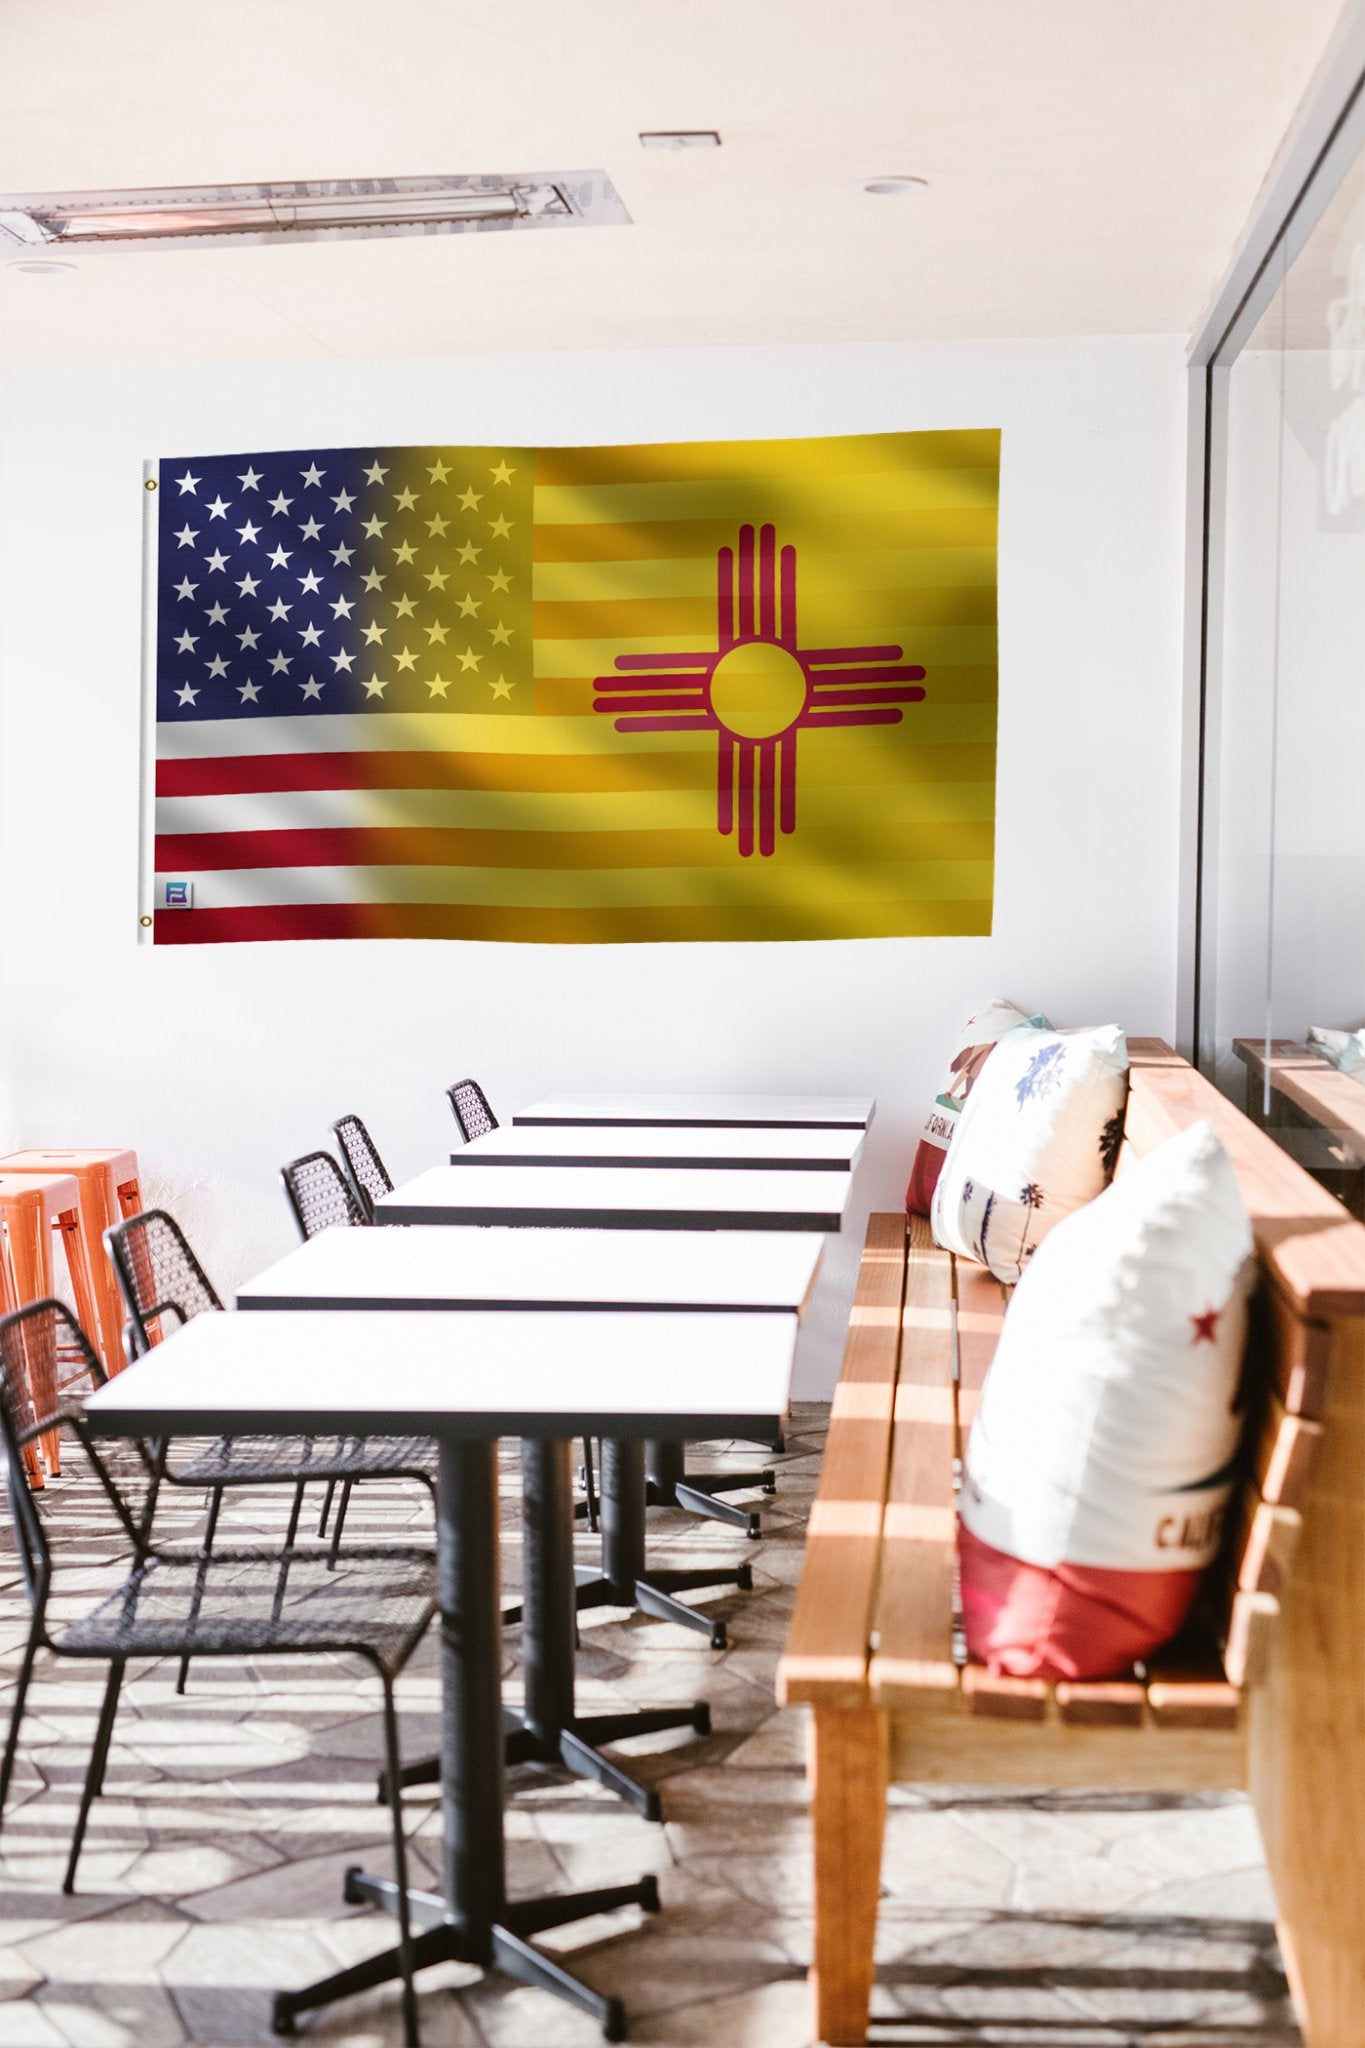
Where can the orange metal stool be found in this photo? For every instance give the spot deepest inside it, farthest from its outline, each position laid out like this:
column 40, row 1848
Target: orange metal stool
column 9, row 1301
column 32, row 1206
column 109, row 1192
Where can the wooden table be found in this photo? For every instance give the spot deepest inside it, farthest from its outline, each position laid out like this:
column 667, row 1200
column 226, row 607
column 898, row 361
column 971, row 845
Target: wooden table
column 618, row 1198
column 545, row 1376
column 835, row 1149
column 1318, row 1113
column 693, row 1112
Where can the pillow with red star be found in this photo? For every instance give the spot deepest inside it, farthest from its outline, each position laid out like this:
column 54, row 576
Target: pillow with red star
column 975, row 1043
column 1104, row 1451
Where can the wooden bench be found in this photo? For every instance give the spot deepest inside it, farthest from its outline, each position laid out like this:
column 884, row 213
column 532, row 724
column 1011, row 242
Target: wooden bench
column 1266, row 1691
column 1315, row 1110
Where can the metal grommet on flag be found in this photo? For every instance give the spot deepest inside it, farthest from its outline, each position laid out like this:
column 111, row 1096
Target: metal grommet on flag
column 144, row 922
column 708, row 691
column 149, row 484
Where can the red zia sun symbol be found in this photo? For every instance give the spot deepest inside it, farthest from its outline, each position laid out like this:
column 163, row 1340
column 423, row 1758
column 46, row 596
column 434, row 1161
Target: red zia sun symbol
column 758, row 689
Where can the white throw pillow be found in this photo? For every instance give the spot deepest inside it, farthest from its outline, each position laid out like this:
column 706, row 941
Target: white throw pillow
column 1038, row 1135
column 1107, row 1428
column 1345, row 1049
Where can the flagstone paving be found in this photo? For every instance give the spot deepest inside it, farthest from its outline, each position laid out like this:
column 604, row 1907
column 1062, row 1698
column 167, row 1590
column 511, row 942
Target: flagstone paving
column 213, row 1866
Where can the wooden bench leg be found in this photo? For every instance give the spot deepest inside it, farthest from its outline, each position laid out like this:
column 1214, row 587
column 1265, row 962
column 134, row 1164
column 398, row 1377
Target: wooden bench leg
column 848, row 1771
column 1307, row 1757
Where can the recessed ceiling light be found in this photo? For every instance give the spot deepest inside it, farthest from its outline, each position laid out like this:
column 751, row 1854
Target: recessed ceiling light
column 894, row 188
column 39, row 269
column 348, row 209
column 679, row 138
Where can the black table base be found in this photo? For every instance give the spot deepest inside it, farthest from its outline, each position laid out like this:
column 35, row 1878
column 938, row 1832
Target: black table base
column 625, row 1580
column 669, row 1484
column 549, row 1728
column 437, row 1939
column 471, row 1919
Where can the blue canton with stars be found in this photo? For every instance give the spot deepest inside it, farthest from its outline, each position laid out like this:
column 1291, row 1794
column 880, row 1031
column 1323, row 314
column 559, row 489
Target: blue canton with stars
column 259, row 582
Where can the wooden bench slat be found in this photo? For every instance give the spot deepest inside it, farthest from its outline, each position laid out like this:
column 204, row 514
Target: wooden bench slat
column 1282, row 1451
column 1251, row 1632
column 981, row 1304
column 1187, row 1686
column 1264, row 1544
column 1102, row 1703
column 914, row 1614
column 827, row 1648
column 997, row 1698
column 1290, row 1350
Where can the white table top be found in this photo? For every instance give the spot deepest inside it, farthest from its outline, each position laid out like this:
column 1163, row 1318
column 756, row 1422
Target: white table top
column 439, row 1267
column 710, row 1146
column 619, row 1198
column 470, row 1377
column 796, row 1112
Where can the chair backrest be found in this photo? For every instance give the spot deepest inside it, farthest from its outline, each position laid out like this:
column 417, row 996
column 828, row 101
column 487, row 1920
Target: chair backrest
column 158, row 1274
column 48, row 1327
column 318, row 1194
column 469, row 1106
column 369, row 1175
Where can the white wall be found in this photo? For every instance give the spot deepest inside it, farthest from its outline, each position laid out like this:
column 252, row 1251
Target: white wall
column 218, row 1063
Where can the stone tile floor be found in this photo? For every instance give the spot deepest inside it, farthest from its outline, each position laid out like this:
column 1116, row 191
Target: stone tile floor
column 212, row 1870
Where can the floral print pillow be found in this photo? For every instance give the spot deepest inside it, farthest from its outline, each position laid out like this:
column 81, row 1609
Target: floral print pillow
column 976, row 1042
column 1038, row 1136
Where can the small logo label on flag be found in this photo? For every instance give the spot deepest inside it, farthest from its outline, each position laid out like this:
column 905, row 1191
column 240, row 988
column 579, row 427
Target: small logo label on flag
column 177, row 896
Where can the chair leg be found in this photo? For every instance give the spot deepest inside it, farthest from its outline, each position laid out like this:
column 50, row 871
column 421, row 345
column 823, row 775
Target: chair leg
column 340, row 1523
column 411, row 2037
column 324, row 1517
column 589, row 1484
column 292, row 1527
column 94, row 1777
column 206, row 1545
column 16, row 1715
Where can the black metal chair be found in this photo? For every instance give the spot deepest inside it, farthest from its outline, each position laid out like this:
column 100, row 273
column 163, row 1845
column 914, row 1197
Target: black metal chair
column 321, row 1199
column 161, row 1279
column 369, row 1176
column 469, row 1107
column 199, row 1603
column 320, row 1194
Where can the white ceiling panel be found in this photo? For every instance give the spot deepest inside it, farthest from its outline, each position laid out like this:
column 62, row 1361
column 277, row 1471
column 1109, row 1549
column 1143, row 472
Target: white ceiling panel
column 1090, row 164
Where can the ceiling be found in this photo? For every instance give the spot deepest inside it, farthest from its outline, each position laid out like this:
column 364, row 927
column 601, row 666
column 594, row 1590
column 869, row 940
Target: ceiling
column 1090, row 165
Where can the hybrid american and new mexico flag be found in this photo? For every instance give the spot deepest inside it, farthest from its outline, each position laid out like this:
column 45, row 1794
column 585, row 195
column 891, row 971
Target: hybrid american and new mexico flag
column 732, row 690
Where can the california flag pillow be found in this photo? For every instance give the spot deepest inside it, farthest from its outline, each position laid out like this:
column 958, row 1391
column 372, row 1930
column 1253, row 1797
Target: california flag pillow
column 974, row 1046
column 1038, row 1135
column 1101, row 1459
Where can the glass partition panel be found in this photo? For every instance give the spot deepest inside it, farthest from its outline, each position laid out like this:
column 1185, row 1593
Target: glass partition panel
column 1284, row 890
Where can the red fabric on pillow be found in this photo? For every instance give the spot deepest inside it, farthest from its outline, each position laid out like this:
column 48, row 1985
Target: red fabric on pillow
column 982, row 1031
column 1066, row 1620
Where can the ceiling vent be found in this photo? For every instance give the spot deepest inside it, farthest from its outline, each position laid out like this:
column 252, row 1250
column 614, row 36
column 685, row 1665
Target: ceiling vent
column 341, row 209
